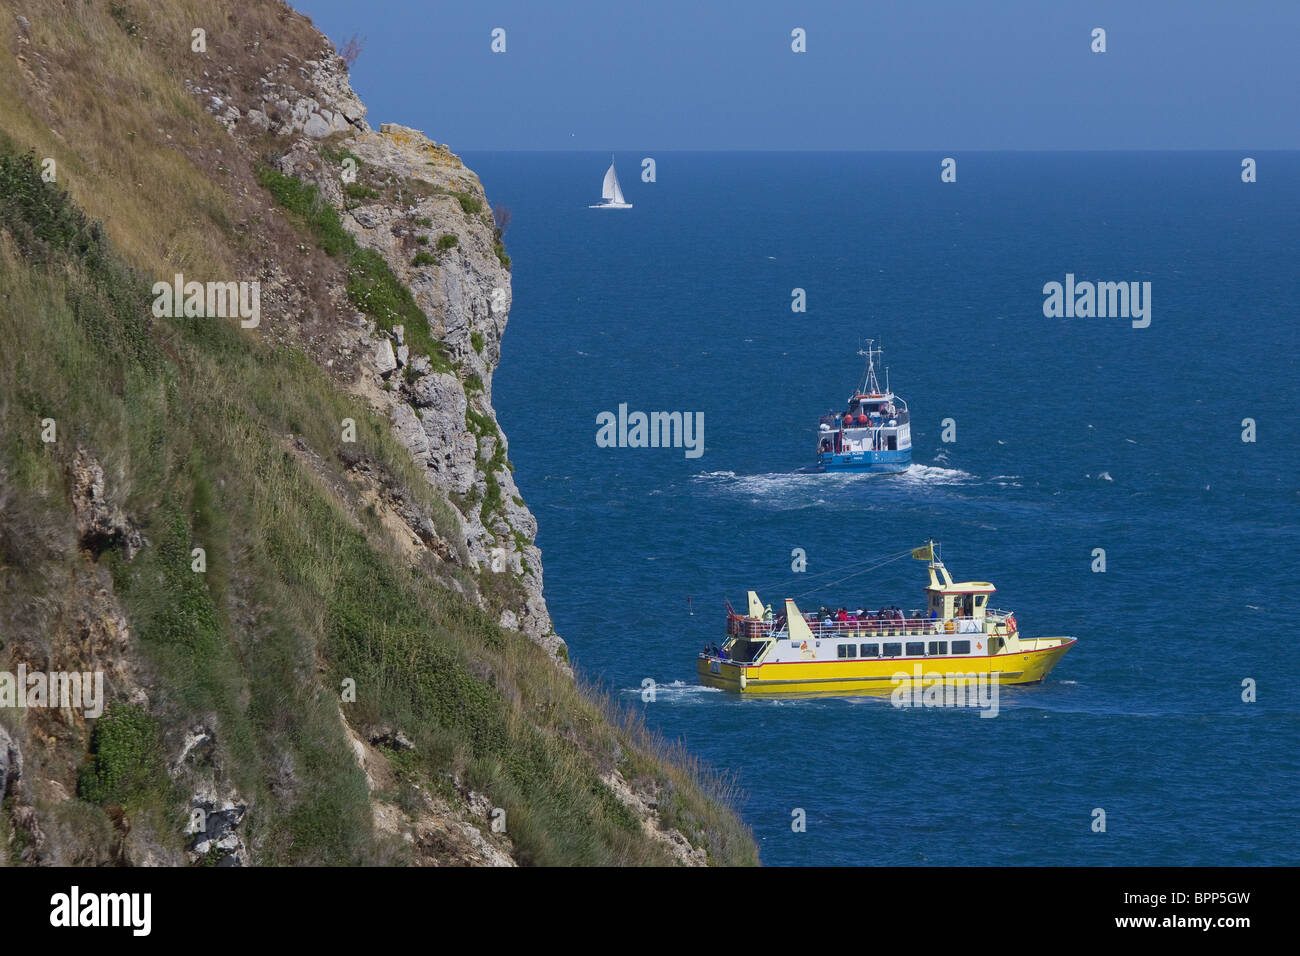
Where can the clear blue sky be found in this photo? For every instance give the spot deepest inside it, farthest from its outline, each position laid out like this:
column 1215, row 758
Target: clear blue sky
column 879, row 74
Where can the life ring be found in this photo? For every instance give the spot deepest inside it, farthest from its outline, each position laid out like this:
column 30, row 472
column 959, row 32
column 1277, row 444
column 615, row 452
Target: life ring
column 949, row 627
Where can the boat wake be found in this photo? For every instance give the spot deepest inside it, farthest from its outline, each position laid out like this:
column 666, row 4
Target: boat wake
column 676, row 691
column 935, row 475
column 810, row 488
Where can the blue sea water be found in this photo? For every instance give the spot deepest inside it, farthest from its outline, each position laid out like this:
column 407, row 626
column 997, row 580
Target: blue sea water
column 1071, row 435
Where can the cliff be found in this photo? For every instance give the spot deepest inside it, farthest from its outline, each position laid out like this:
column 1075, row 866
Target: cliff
column 291, row 542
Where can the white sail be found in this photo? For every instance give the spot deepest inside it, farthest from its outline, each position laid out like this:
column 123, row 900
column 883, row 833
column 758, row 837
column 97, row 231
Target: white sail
column 611, row 178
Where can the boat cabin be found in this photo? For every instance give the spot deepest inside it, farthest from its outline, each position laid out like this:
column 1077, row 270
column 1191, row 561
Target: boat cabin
column 949, row 599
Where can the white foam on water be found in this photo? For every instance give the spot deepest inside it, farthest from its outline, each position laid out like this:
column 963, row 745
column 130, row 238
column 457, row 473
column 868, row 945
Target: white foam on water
column 676, row 691
column 935, row 475
column 788, row 486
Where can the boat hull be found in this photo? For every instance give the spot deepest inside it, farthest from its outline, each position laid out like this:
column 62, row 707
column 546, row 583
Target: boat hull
column 879, row 676
column 870, row 462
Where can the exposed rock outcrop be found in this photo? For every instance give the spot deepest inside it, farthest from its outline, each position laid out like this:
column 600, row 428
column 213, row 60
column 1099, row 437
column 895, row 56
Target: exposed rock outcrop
column 11, row 764
column 410, row 195
column 100, row 523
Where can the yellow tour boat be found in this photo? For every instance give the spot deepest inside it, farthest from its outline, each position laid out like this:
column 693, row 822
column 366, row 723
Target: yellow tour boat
column 959, row 636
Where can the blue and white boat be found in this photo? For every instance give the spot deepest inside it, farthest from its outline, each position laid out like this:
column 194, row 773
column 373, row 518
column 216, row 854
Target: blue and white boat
column 874, row 434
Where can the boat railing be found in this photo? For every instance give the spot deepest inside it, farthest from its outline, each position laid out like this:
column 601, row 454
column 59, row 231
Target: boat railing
column 754, row 629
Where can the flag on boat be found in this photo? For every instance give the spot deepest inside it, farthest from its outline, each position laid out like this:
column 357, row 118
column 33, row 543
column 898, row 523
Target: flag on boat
column 925, row 553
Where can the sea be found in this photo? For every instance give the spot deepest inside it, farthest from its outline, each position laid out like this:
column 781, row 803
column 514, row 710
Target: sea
column 1135, row 487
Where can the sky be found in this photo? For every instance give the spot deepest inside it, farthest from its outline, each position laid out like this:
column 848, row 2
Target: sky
column 877, row 74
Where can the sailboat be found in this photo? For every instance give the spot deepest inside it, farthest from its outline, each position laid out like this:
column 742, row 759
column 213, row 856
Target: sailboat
column 611, row 194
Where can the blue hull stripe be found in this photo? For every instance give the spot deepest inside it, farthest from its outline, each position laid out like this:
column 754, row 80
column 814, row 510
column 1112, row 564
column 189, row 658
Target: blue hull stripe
column 868, row 461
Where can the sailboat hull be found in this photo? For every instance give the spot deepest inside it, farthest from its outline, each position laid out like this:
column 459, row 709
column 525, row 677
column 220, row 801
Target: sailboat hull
column 611, row 205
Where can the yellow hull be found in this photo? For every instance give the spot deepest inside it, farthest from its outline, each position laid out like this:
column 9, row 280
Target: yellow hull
column 1031, row 663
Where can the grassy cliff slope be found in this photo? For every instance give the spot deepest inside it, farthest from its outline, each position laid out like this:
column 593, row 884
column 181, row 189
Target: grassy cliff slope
column 328, row 687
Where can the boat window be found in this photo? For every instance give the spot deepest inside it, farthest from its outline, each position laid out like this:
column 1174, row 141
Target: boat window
column 961, row 647
column 870, row 650
column 979, row 600
column 915, row 647
column 938, row 647
column 893, row 650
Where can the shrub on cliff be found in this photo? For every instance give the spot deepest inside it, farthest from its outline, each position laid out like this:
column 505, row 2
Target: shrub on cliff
column 126, row 764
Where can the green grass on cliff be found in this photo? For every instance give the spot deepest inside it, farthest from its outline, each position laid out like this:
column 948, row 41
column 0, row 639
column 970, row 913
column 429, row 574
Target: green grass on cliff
column 371, row 285
column 210, row 438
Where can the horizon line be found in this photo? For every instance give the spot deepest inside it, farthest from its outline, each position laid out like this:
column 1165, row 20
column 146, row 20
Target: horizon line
column 899, row 149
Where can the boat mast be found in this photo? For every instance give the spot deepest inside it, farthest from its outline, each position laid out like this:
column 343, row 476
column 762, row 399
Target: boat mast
column 870, row 386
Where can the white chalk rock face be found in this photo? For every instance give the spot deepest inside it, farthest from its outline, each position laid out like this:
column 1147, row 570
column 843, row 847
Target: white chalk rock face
column 317, row 126
column 385, row 360
column 464, row 296
column 410, row 430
